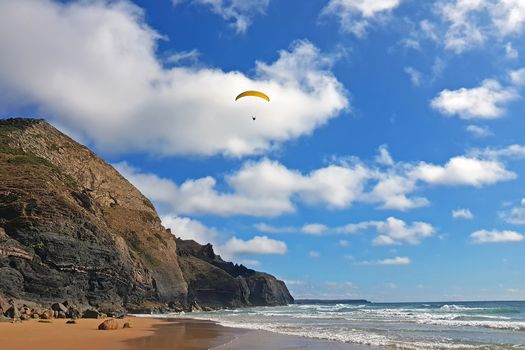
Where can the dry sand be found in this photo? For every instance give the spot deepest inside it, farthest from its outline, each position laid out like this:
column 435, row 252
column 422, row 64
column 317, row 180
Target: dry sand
column 84, row 335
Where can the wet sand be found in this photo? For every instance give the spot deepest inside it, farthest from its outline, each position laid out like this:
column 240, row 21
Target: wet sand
column 151, row 334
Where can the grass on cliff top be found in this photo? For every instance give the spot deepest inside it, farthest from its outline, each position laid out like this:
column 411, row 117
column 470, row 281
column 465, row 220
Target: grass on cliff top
column 6, row 133
column 30, row 159
column 20, row 157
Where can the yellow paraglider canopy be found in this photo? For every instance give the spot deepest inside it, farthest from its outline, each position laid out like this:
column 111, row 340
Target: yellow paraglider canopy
column 253, row 93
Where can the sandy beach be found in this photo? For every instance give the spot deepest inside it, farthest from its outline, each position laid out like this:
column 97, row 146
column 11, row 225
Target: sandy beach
column 149, row 334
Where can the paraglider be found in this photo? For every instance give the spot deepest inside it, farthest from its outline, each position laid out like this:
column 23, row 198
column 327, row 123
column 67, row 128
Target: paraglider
column 253, row 93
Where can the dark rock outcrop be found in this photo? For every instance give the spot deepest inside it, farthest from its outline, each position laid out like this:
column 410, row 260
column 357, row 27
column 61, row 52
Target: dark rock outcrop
column 12, row 312
column 72, row 228
column 213, row 282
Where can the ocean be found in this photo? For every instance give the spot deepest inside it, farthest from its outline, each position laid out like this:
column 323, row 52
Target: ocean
column 452, row 325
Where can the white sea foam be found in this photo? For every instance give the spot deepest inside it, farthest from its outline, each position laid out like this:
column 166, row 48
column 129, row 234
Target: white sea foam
column 404, row 326
column 463, row 308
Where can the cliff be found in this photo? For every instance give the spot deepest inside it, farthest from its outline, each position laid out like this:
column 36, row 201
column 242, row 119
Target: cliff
column 214, row 282
column 72, row 228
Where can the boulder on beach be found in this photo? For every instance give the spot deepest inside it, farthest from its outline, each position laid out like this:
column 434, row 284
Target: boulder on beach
column 46, row 315
column 107, row 325
column 73, row 313
column 91, row 314
column 59, row 307
column 12, row 312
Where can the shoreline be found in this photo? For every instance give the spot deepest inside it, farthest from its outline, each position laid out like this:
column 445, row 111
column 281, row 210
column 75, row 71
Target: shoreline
column 150, row 333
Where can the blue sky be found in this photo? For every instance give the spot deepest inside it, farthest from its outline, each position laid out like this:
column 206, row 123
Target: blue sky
column 388, row 164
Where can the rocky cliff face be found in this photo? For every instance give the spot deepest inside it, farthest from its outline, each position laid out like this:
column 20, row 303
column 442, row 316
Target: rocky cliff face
column 214, row 282
column 72, row 228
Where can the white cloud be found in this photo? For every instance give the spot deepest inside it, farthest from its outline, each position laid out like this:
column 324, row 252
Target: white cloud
column 396, row 231
column 483, row 102
column 278, row 189
column 314, row 254
column 318, row 229
column 92, row 66
column 463, row 32
column 354, row 228
column 183, row 57
column 462, row 214
column 515, row 215
column 384, row 240
column 355, row 16
column 240, row 12
column 415, row 75
column 485, row 236
column 263, row 227
column 314, row 229
column 464, row 170
column 517, row 77
column 511, row 52
column 200, row 195
column 509, row 16
column 391, row 261
column 514, row 151
column 478, row 131
column 334, row 186
column 258, row 245
column 395, row 261
column 384, row 156
column 471, row 23
column 390, row 231
column 186, row 228
column 392, row 188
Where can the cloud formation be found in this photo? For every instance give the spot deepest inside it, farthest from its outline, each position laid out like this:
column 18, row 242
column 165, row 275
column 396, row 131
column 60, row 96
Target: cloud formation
column 92, row 66
column 266, row 188
column 240, row 12
column 186, row 228
column 395, row 261
column 355, row 16
column 396, row 231
column 515, row 151
column 486, row 101
column 478, row 131
column 391, row 231
column 388, row 262
column 462, row 214
column 469, row 24
column 494, row 236
column 515, row 215
column 258, row 245
column 517, row 77
column 463, row 170
column 276, row 187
